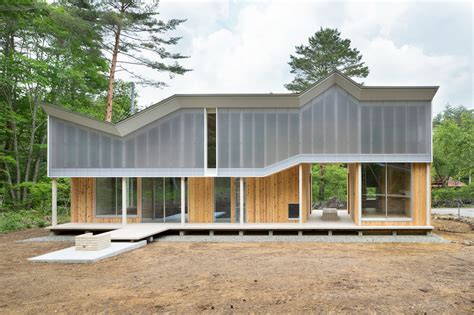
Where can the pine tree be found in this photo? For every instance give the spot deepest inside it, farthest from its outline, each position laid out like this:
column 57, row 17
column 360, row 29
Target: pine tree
column 326, row 52
column 136, row 36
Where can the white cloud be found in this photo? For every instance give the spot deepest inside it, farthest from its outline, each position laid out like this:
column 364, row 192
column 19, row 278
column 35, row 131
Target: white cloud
column 245, row 47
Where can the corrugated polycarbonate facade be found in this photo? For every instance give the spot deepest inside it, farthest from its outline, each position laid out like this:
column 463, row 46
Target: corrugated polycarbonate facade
column 333, row 127
column 169, row 144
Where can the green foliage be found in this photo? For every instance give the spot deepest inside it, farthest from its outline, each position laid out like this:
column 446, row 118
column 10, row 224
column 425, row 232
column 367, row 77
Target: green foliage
column 447, row 197
column 139, row 38
column 453, row 144
column 326, row 52
column 122, row 102
column 334, row 180
column 25, row 219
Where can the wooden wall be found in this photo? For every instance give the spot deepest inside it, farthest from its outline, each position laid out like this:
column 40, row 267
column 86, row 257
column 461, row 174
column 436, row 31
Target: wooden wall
column 419, row 173
column 353, row 192
column 201, row 199
column 83, row 203
column 267, row 198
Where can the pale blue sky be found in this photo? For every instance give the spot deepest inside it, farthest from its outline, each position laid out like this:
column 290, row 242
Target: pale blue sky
column 244, row 46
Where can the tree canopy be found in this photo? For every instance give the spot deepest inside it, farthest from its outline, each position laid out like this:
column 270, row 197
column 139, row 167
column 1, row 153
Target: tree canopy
column 326, row 51
column 135, row 37
column 453, row 144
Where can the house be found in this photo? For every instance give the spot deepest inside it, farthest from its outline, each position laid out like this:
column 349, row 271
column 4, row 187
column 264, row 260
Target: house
column 246, row 158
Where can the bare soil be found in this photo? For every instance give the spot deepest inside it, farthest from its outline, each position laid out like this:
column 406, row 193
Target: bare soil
column 246, row 278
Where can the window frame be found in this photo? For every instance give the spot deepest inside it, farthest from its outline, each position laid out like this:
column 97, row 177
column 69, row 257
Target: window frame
column 116, row 210
column 387, row 218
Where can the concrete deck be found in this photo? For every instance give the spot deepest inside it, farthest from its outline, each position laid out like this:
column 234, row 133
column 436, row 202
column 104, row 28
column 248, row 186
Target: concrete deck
column 72, row 256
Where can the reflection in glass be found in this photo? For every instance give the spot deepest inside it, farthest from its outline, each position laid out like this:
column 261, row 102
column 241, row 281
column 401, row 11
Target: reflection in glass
column 386, row 190
column 222, row 195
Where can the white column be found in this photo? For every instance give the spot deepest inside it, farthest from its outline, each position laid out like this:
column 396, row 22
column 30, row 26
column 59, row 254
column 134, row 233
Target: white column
column 300, row 193
column 54, row 202
column 241, row 196
column 183, row 201
column 124, row 200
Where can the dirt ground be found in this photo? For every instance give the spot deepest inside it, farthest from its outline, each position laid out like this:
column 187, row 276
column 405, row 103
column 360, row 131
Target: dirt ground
column 246, row 278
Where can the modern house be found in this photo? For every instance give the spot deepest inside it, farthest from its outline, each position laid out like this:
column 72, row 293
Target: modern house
column 242, row 159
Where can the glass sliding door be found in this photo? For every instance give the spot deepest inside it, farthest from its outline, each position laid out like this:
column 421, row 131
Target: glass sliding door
column 398, row 190
column 373, row 193
column 161, row 199
column 386, row 190
column 108, row 196
column 172, row 199
column 222, row 200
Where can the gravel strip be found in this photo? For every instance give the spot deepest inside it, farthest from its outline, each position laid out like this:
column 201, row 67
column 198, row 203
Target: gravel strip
column 306, row 238
column 49, row 238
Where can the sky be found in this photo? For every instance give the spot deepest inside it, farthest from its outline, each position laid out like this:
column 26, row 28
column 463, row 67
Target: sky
column 245, row 46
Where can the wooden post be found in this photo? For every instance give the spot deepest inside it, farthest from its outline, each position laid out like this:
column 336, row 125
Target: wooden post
column 183, row 201
column 300, row 193
column 54, row 202
column 241, row 196
column 124, row 200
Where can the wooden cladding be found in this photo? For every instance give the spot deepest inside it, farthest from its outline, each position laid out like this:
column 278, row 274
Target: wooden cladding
column 201, row 199
column 83, row 203
column 420, row 201
column 353, row 192
column 267, row 198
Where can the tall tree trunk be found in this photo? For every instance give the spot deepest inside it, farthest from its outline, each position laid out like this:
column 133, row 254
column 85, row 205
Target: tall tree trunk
column 110, row 90
column 322, row 181
column 30, row 145
column 37, row 167
column 38, row 161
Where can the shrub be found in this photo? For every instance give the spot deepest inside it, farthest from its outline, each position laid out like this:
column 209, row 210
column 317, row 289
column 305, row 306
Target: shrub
column 448, row 197
column 26, row 219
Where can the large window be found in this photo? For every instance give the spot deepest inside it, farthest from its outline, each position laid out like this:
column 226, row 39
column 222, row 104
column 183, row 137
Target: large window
column 161, row 199
column 108, row 192
column 386, row 190
column 211, row 138
column 222, row 194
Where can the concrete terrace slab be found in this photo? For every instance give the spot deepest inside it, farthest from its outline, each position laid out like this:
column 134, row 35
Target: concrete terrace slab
column 71, row 256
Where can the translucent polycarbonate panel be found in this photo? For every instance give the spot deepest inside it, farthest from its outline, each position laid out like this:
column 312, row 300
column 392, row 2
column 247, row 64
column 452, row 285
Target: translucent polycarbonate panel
column 365, row 123
column 377, row 130
column 342, row 122
column 318, row 125
column 247, row 139
column 400, row 128
column 334, row 126
column 223, row 154
column 282, row 136
column 412, row 129
column 293, row 134
column 270, row 138
column 306, row 130
column 353, row 126
column 259, row 139
column 330, row 121
column 235, row 131
column 254, row 138
column 174, row 141
column 388, row 129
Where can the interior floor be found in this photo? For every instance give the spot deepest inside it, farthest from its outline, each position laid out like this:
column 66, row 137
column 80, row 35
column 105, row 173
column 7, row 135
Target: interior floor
column 343, row 217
